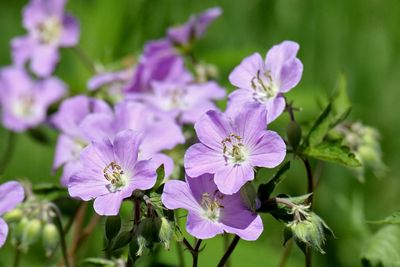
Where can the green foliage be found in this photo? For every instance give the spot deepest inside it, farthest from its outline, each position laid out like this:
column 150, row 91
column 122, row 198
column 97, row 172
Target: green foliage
column 249, row 196
column 382, row 250
column 98, row 262
column 160, row 176
column 391, row 219
column 113, row 225
column 264, row 190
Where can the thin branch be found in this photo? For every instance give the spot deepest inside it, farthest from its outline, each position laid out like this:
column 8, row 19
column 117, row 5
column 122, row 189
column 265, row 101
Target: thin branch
column 229, row 251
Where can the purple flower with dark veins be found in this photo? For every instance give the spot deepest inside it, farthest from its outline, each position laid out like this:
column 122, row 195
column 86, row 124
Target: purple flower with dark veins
column 158, row 133
column 266, row 81
column 186, row 102
column 11, row 194
column 230, row 148
column 111, row 171
column 24, row 102
column 71, row 141
column 194, row 28
column 210, row 211
column 159, row 62
column 48, row 29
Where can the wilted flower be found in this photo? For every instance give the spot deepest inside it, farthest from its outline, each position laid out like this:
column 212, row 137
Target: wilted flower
column 210, row 211
column 186, row 102
column 231, row 147
column 11, row 194
column 266, row 81
column 111, row 172
column 25, row 101
column 194, row 28
column 71, row 140
column 48, row 29
column 159, row 133
column 159, row 62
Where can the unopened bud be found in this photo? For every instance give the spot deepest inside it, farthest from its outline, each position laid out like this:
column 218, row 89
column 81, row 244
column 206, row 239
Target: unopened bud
column 165, row 233
column 19, row 231
column 50, row 238
column 13, row 216
column 31, row 233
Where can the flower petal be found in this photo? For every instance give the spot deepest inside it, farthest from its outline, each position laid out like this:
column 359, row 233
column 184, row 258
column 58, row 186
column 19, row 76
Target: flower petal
column 202, row 184
column 200, row 159
column 243, row 74
column 126, row 148
column 251, row 233
column 11, row 194
column 44, row 59
column 22, row 48
column 109, row 204
column 87, row 185
column 237, row 99
column 70, row 31
column 3, row 232
column 97, row 126
column 269, row 152
column 177, row 195
column 202, row 228
column 212, row 128
column 231, row 178
column 275, row 107
column 144, row 175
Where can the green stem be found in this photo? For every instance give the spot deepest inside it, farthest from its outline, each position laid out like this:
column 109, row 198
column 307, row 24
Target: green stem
column 17, row 257
column 229, row 251
column 310, row 189
column 8, row 152
column 286, row 253
column 226, row 246
column 84, row 59
column 181, row 258
column 61, row 232
column 195, row 253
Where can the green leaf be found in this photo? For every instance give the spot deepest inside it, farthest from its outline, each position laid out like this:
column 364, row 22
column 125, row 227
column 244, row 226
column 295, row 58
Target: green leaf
column 332, row 152
column 39, row 135
column 98, row 262
column 320, row 127
column 122, row 240
column 113, row 225
column 341, row 105
column 383, row 248
column 160, row 176
column 49, row 191
column 249, row 196
column 265, row 190
column 392, row 219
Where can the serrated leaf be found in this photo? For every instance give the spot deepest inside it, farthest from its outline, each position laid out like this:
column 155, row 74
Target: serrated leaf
column 332, row 152
column 264, row 190
column 383, row 248
column 392, row 219
column 113, row 225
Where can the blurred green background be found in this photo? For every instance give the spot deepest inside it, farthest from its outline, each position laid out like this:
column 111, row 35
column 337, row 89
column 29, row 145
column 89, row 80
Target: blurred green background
column 360, row 38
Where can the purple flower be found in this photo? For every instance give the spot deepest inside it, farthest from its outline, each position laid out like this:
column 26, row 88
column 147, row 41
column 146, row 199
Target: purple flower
column 187, row 102
column 71, row 140
column 210, row 211
column 265, row 82
column 159, row 62
column 111, row 172
column 11, row 194
column 48, row 29
column 159, row 133
column 25, row 101
column 231, row 148
column 194, row 28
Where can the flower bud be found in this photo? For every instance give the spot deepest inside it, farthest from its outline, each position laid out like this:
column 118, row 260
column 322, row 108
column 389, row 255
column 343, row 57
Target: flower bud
column 13, row 216
column 32, row 233
column 19, row 231
column 50, row 238
column 165, row 233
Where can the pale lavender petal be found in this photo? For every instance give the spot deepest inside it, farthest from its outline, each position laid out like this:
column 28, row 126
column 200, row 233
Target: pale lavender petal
column 202, row 184
column 67, row 149
column 98, row 126
column 97, row 155
column 50, row 90
column 243, row 74
column 251, row 233
column 205, row 18
column 202, row 228
column 180, row 34
column 212, row 128
column 275, row 107
column 70, row 169
column 232, row 177
column 251, row 122
column 3, row 232
column 126, row 148
column 22, row 48
column 87, row 185
column 177, row 195
column 237, row 99
column 285, row 68
column 160, row 159
column 269, row 152
column 44, row 59
column 200, row 159
column 109, row 204
column 70, row 31
column 144, row 175
column 193, row 114
column 11, row 194
column 235, row 214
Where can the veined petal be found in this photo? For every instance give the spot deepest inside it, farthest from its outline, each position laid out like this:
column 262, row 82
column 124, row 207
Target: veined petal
column 177, row 195
column 202, row 184
column 202, row 228
column 11, row 194
column 98, row 126
column 231, row 178
column 109, row 204
column 237, row 99
column 212, row 128
column 3, row 232
column 200, row 159
column 69, row 169
column 97, row 155
column 126, row 148
column 144, row 175
column 243, row 74
column 251, row 233
column 275, row 107
column 269, row 152
column 87, row 185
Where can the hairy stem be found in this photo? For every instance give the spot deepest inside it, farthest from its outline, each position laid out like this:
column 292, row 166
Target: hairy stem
column 229, row 251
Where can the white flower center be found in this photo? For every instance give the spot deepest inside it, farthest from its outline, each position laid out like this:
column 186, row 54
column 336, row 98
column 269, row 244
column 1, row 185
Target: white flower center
column 174, row 98
column 211, row 207
column 116, row 176
column 234, row 150
column 24, row 106
column 264, row 87
column 49, row 31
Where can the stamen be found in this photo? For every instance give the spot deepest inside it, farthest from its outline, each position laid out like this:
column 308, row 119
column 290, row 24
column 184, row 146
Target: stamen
column 114, row 174
column 233, row 149
column 211, row 206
